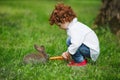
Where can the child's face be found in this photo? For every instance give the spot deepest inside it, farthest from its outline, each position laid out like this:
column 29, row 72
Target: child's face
column 63, row 26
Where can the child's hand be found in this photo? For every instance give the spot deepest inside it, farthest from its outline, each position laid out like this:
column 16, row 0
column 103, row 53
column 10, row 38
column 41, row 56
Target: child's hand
column 66, row 55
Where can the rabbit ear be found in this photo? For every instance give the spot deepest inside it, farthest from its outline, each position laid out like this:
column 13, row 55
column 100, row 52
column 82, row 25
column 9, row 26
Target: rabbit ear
column 39, row 49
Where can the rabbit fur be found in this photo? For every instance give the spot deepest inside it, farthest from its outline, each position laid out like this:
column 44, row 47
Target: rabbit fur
column 40, row 57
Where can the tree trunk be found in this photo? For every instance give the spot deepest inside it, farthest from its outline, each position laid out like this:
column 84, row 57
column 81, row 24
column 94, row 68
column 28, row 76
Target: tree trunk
column 109, row 14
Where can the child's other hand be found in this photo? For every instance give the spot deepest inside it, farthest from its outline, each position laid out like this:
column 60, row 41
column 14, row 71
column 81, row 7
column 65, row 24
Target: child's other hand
column 66, row 55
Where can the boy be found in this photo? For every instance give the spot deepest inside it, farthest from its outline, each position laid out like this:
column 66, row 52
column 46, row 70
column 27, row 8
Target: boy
column 82, row 42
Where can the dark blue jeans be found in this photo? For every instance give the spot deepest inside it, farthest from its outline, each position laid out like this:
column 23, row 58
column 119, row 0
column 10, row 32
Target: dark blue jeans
column 82, row 52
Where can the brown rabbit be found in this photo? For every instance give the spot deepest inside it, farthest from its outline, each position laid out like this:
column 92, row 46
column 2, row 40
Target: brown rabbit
column 40, row 57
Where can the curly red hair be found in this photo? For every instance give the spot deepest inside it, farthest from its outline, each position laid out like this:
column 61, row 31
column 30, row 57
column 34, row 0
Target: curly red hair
column 62, row 14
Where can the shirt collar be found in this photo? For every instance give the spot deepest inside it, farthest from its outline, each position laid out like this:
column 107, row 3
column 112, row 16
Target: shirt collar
column 72, row 22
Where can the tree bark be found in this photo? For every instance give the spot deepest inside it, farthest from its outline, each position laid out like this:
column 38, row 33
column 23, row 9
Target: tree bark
column 109, row 14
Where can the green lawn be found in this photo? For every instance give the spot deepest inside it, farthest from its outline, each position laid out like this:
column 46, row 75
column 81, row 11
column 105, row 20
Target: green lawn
column 25, row 23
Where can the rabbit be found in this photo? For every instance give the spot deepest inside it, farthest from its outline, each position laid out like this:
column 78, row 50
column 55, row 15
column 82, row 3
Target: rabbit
column 41, row 57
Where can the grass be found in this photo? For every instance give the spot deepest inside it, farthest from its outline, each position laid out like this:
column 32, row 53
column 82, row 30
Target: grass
column 25, row 23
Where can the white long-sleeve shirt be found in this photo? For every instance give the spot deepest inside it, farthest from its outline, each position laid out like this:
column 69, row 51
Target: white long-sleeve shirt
column 82, row 34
